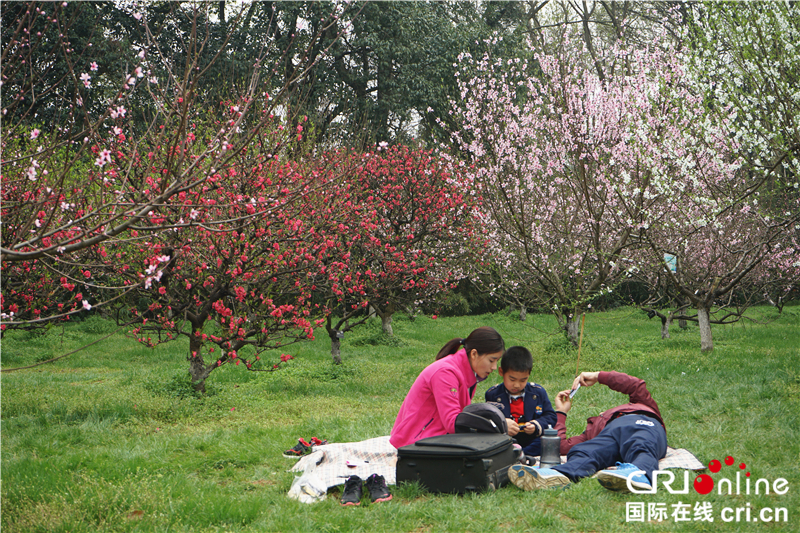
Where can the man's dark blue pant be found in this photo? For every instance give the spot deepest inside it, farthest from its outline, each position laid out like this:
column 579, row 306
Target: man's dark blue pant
column 637, row 439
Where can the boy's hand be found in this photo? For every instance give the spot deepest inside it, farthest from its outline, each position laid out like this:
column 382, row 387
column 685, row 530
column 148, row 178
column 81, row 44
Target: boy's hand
column 563, row 401
column 513, row 427
column 533, row 428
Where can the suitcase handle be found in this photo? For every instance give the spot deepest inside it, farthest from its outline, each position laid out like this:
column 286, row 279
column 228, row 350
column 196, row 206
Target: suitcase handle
column 451, row 445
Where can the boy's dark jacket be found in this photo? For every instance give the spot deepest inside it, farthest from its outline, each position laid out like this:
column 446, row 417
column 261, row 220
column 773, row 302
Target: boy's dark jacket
column 537, row 407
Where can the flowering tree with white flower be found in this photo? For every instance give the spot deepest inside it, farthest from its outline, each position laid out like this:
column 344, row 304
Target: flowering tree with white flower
column 733, row 239
column 576, row 170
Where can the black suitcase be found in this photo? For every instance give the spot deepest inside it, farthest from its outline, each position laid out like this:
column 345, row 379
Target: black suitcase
column 458, row 463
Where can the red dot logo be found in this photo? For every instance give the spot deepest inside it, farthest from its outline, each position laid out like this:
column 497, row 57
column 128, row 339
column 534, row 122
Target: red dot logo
column 714, row 466
column 742, row 466
column 703, row 484
column 729, row 460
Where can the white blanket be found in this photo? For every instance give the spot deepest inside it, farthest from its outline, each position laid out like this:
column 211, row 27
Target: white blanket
column 331, row 464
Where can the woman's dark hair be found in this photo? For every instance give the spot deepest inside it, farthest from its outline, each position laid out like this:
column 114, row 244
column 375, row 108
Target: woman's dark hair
column 484, row 340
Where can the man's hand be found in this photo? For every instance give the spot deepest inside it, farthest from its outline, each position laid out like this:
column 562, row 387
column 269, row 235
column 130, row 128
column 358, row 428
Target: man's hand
column 563, row 401
column 586, row 379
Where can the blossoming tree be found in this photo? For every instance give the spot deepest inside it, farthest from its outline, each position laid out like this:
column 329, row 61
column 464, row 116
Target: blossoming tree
column 404, row 221
column 79, row 193
column 234, row 279
column 576, row 169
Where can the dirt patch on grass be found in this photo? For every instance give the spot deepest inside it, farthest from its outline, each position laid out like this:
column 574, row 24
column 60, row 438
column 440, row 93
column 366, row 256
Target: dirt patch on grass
column 263, row 483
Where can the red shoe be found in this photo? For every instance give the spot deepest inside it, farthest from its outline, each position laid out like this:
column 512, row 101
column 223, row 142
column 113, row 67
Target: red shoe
column 302, row 448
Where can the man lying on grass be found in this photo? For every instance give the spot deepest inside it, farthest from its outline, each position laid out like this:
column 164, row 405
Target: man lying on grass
column 631, row 435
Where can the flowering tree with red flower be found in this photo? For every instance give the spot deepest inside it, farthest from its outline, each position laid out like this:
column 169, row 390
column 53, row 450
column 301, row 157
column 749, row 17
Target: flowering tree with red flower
column 403, row 220
column 235, row 280
column 81, row 197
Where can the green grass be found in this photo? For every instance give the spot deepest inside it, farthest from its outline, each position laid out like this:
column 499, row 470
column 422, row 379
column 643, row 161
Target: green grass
column 110, row 439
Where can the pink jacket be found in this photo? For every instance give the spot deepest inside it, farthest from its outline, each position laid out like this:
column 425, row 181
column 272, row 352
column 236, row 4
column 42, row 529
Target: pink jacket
column 439, row 393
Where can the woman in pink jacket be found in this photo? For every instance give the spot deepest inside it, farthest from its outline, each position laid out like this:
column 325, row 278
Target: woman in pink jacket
column 446, row 386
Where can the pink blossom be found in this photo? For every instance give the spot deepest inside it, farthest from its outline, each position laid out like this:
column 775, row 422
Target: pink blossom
column 87, row 305
column 137, row 16
column 35, row 133
column 103, row 158
column 93, row 66
column 86, row 79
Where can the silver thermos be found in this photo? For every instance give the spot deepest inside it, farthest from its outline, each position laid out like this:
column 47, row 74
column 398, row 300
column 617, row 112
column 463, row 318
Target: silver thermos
column 551, row 448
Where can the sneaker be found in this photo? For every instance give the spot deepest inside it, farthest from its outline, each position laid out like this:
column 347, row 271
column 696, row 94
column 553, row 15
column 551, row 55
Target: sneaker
column 617, row 479
column 302, row 448
column 316, row 442
column 529, row 478
column 351, row 495
column 378, row 491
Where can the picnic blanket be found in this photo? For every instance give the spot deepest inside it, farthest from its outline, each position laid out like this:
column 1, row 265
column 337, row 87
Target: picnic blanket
column 327, row 466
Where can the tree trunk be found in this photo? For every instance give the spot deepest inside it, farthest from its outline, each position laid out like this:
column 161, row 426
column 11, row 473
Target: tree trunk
column 706, row 342
column 665, row 323
column 336, row 350
column 197, row 367
column 386, row 324
column 523, row 313
column 573, row 329
column 386, row 317
column 682, row 321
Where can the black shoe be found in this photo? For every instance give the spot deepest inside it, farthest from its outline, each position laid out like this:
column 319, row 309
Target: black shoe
column 351, row 495
column 378, row 491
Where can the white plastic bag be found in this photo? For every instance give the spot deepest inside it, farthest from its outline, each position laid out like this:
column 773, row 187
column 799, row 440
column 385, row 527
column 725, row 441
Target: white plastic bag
column 308, row 488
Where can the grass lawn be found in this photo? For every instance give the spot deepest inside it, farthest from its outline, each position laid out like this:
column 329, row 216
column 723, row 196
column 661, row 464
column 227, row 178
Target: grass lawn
column 109, row 439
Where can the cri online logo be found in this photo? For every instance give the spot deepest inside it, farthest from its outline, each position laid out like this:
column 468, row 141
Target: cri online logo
column 704, row 483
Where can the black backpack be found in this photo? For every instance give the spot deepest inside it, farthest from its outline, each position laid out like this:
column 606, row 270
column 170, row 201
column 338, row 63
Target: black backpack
column 481, row 418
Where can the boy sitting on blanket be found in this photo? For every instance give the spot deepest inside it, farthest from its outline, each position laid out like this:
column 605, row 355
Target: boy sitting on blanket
column 526, row 405
column 632, row 435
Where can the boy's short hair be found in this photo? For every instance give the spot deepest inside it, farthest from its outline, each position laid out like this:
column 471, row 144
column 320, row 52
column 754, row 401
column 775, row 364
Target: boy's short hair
column 517, row 359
